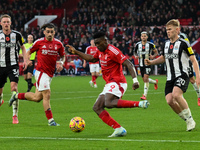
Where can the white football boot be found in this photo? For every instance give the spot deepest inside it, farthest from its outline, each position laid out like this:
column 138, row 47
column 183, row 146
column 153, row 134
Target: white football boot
column 119, row 132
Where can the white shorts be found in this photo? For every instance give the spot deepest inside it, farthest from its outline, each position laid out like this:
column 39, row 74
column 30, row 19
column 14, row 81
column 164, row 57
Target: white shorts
column 94, row 68
column 115, row 89
column 43, row 81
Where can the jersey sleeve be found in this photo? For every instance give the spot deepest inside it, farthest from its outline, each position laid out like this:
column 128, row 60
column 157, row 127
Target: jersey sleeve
column 162, row 49
column 188, row 49
column 61, row 50
column 21, row 40
column 34, row 47
column 153, row 46
column 117, row 55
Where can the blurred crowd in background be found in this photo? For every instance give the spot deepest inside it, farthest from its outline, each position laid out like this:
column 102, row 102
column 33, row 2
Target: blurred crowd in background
column 128, row 19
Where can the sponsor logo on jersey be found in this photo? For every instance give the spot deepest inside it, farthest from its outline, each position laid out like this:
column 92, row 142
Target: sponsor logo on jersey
column 171, row 56
column 8, row 44
column 49, row 52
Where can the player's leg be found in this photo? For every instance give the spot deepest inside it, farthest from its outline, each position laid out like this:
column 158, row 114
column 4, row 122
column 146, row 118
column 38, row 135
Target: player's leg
column 29, row 81
column 1, row 96
column 142, row 70
column 92, row 74
column 13, row 74
column 155, row 82
column 174, row 97
column 29, row 96
column 146, row 86
column 113, row 93
column 15, row 104
column 47, row 108
column 192, row 80
column 169, row 97
column 96, row 74
column 106, row 118
column 178, row 97
column 3, row 80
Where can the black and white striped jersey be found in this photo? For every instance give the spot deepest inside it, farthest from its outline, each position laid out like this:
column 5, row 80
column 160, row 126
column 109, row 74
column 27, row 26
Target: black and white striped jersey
column 143, row 51
column 177, row 57
column 9, row 48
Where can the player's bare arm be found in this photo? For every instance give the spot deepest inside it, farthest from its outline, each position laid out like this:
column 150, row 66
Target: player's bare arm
column 59, row 64
column 87, row 57
column 132, row 71
column 155, row 54
column 156, row 61
column 24, row 57
column 84, row 63
column 196, row 68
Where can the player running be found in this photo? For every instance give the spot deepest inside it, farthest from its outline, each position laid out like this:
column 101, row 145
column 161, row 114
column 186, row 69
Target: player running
column 94, row 67
column 143, row 50
column 47, row 49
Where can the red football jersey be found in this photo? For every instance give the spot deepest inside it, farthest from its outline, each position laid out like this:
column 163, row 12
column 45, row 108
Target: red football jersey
column 91, row 51
column 47, row 54
column 111, row 64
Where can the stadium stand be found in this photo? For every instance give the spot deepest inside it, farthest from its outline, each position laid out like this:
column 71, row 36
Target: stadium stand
column 123, row 21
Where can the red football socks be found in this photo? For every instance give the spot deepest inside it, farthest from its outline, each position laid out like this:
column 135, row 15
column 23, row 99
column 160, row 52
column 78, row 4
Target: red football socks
column 127, row 104
column 49, row 114
column 21, row 96
column 105, row 117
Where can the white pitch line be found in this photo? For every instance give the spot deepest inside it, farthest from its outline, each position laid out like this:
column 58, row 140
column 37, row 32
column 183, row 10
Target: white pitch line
column 107, row 139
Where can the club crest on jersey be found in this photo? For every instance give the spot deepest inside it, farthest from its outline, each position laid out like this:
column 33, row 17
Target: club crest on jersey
column 176, row 48
column 13, row 39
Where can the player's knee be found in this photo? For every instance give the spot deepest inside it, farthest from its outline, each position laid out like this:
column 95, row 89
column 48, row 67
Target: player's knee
column 175, row 95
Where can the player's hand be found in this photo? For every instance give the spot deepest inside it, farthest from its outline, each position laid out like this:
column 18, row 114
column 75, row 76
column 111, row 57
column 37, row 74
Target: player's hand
column 24, row 65
column 59, row 67
column 135, row 85
column 147, row 62
column 29, row 63
column 71, row 49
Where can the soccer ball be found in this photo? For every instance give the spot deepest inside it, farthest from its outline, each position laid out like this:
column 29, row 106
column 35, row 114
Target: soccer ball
column 77, row 124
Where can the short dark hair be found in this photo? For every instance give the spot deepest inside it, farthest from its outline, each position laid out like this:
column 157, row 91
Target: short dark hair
column 5, row 16
column 48, row 25
column 99, row 35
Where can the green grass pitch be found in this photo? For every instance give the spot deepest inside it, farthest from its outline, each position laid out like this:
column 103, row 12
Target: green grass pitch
column 155, row 128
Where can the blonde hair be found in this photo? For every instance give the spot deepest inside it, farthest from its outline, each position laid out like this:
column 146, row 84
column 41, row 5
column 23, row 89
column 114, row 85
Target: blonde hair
column 5, row 16
column 173, row 22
